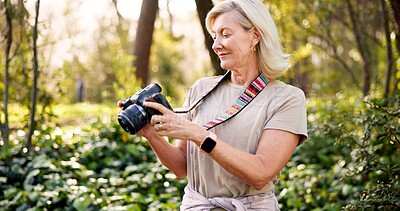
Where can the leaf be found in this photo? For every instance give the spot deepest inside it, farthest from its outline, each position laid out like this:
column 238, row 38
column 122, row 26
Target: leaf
column 133, row 207
column 82, row 203
column 43, row 161
column 30, row 177
column 10, row 192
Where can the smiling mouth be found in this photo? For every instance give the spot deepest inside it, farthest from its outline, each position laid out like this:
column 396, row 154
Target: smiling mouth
column 220, row 55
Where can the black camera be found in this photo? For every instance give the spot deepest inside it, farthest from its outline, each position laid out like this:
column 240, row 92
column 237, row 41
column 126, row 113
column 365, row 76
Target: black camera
column 134, row 115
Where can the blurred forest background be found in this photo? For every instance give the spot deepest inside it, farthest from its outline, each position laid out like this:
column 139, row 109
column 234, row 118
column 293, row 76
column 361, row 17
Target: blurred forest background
column 62, row 74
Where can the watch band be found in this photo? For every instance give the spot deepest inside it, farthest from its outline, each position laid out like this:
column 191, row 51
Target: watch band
column 209, row 143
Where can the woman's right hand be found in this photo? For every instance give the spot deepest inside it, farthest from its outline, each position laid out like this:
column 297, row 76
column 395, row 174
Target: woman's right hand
column 147, row 131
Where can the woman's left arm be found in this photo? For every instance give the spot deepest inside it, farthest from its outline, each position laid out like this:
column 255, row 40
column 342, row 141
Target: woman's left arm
column 274, row 150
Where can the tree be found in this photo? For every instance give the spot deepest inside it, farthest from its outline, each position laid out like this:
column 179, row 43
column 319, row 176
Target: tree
column 362, row 46
column 389, row 53
column 203, row 6
column 9, row 38
column 34, row 95
column 344, row 42
column 144, row 38
column 395, row 5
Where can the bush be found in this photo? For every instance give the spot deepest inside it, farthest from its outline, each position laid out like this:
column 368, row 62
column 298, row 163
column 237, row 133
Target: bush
column 98, row 168
column 350, row 160
column 376, row 157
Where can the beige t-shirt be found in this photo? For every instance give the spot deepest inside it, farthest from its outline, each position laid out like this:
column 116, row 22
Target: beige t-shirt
column 278, row 106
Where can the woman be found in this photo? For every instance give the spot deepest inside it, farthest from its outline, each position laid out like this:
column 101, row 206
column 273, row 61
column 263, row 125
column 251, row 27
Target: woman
column 234, row 165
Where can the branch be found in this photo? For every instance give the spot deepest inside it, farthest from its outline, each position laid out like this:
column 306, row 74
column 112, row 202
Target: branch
column 335, row 55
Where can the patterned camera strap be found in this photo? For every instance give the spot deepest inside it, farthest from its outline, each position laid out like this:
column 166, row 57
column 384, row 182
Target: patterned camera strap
column 245, row 98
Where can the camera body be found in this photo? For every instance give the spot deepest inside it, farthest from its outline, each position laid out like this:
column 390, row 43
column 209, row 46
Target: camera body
column 134, row 115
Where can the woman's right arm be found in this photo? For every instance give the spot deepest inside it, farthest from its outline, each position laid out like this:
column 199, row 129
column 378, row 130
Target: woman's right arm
column 171, row 156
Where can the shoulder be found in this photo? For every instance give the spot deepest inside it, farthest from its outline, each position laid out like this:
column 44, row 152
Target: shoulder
column 207, row 81
column 286, row 89
column 200, row 87
column 286, row 93
column 204, row 84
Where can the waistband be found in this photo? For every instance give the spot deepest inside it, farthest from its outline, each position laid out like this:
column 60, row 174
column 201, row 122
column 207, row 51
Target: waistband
column 192, row 200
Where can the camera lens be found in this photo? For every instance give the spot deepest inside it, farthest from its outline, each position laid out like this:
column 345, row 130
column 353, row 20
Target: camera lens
column 133, row 118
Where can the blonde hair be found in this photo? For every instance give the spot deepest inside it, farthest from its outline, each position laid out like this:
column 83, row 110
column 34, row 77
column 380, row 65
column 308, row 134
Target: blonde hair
column 272, row 60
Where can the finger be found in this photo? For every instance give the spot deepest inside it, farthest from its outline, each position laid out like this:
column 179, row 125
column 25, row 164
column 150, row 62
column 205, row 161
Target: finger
column 155, row 119
column 120, row 104
column 160, row 126
column 162, row 109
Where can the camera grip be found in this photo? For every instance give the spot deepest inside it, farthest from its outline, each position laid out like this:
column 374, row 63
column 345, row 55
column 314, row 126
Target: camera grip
column 159, row 98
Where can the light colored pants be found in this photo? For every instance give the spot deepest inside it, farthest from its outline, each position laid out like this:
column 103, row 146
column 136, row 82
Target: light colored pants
column 194, row 201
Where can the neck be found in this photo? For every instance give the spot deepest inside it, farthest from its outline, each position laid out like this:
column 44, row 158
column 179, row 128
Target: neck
column 243, row 78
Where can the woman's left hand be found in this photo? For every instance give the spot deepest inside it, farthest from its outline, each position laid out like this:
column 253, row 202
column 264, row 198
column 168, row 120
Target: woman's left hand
column 172, row 125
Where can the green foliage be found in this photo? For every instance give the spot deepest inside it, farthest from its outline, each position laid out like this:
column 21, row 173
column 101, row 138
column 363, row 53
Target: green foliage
column 320, row 35
column 99, row 167
column 350, row 160
column 165, row 64
column 377, row 157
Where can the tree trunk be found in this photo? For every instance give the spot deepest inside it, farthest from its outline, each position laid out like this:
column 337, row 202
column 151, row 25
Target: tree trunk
column 203, row 6
column 395, row 5
column 144, row 38
column 9, row 38
column 362, row 47
column 389, row 53
column 32, row 125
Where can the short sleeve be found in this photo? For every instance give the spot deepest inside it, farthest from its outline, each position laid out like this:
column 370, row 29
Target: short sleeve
column 288, row 113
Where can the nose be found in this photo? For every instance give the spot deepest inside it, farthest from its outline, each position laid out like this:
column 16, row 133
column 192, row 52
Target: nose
column 216, row 45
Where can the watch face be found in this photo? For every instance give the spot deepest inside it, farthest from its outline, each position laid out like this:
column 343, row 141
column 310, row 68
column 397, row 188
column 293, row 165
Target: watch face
column 208, row 145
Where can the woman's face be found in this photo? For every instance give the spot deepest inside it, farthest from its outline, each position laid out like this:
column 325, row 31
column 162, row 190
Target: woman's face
column 232, row 43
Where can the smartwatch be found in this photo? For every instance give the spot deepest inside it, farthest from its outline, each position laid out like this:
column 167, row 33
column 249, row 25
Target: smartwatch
column 209, row 143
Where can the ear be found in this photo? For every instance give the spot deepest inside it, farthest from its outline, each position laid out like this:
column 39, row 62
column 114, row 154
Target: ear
column 256, row 36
